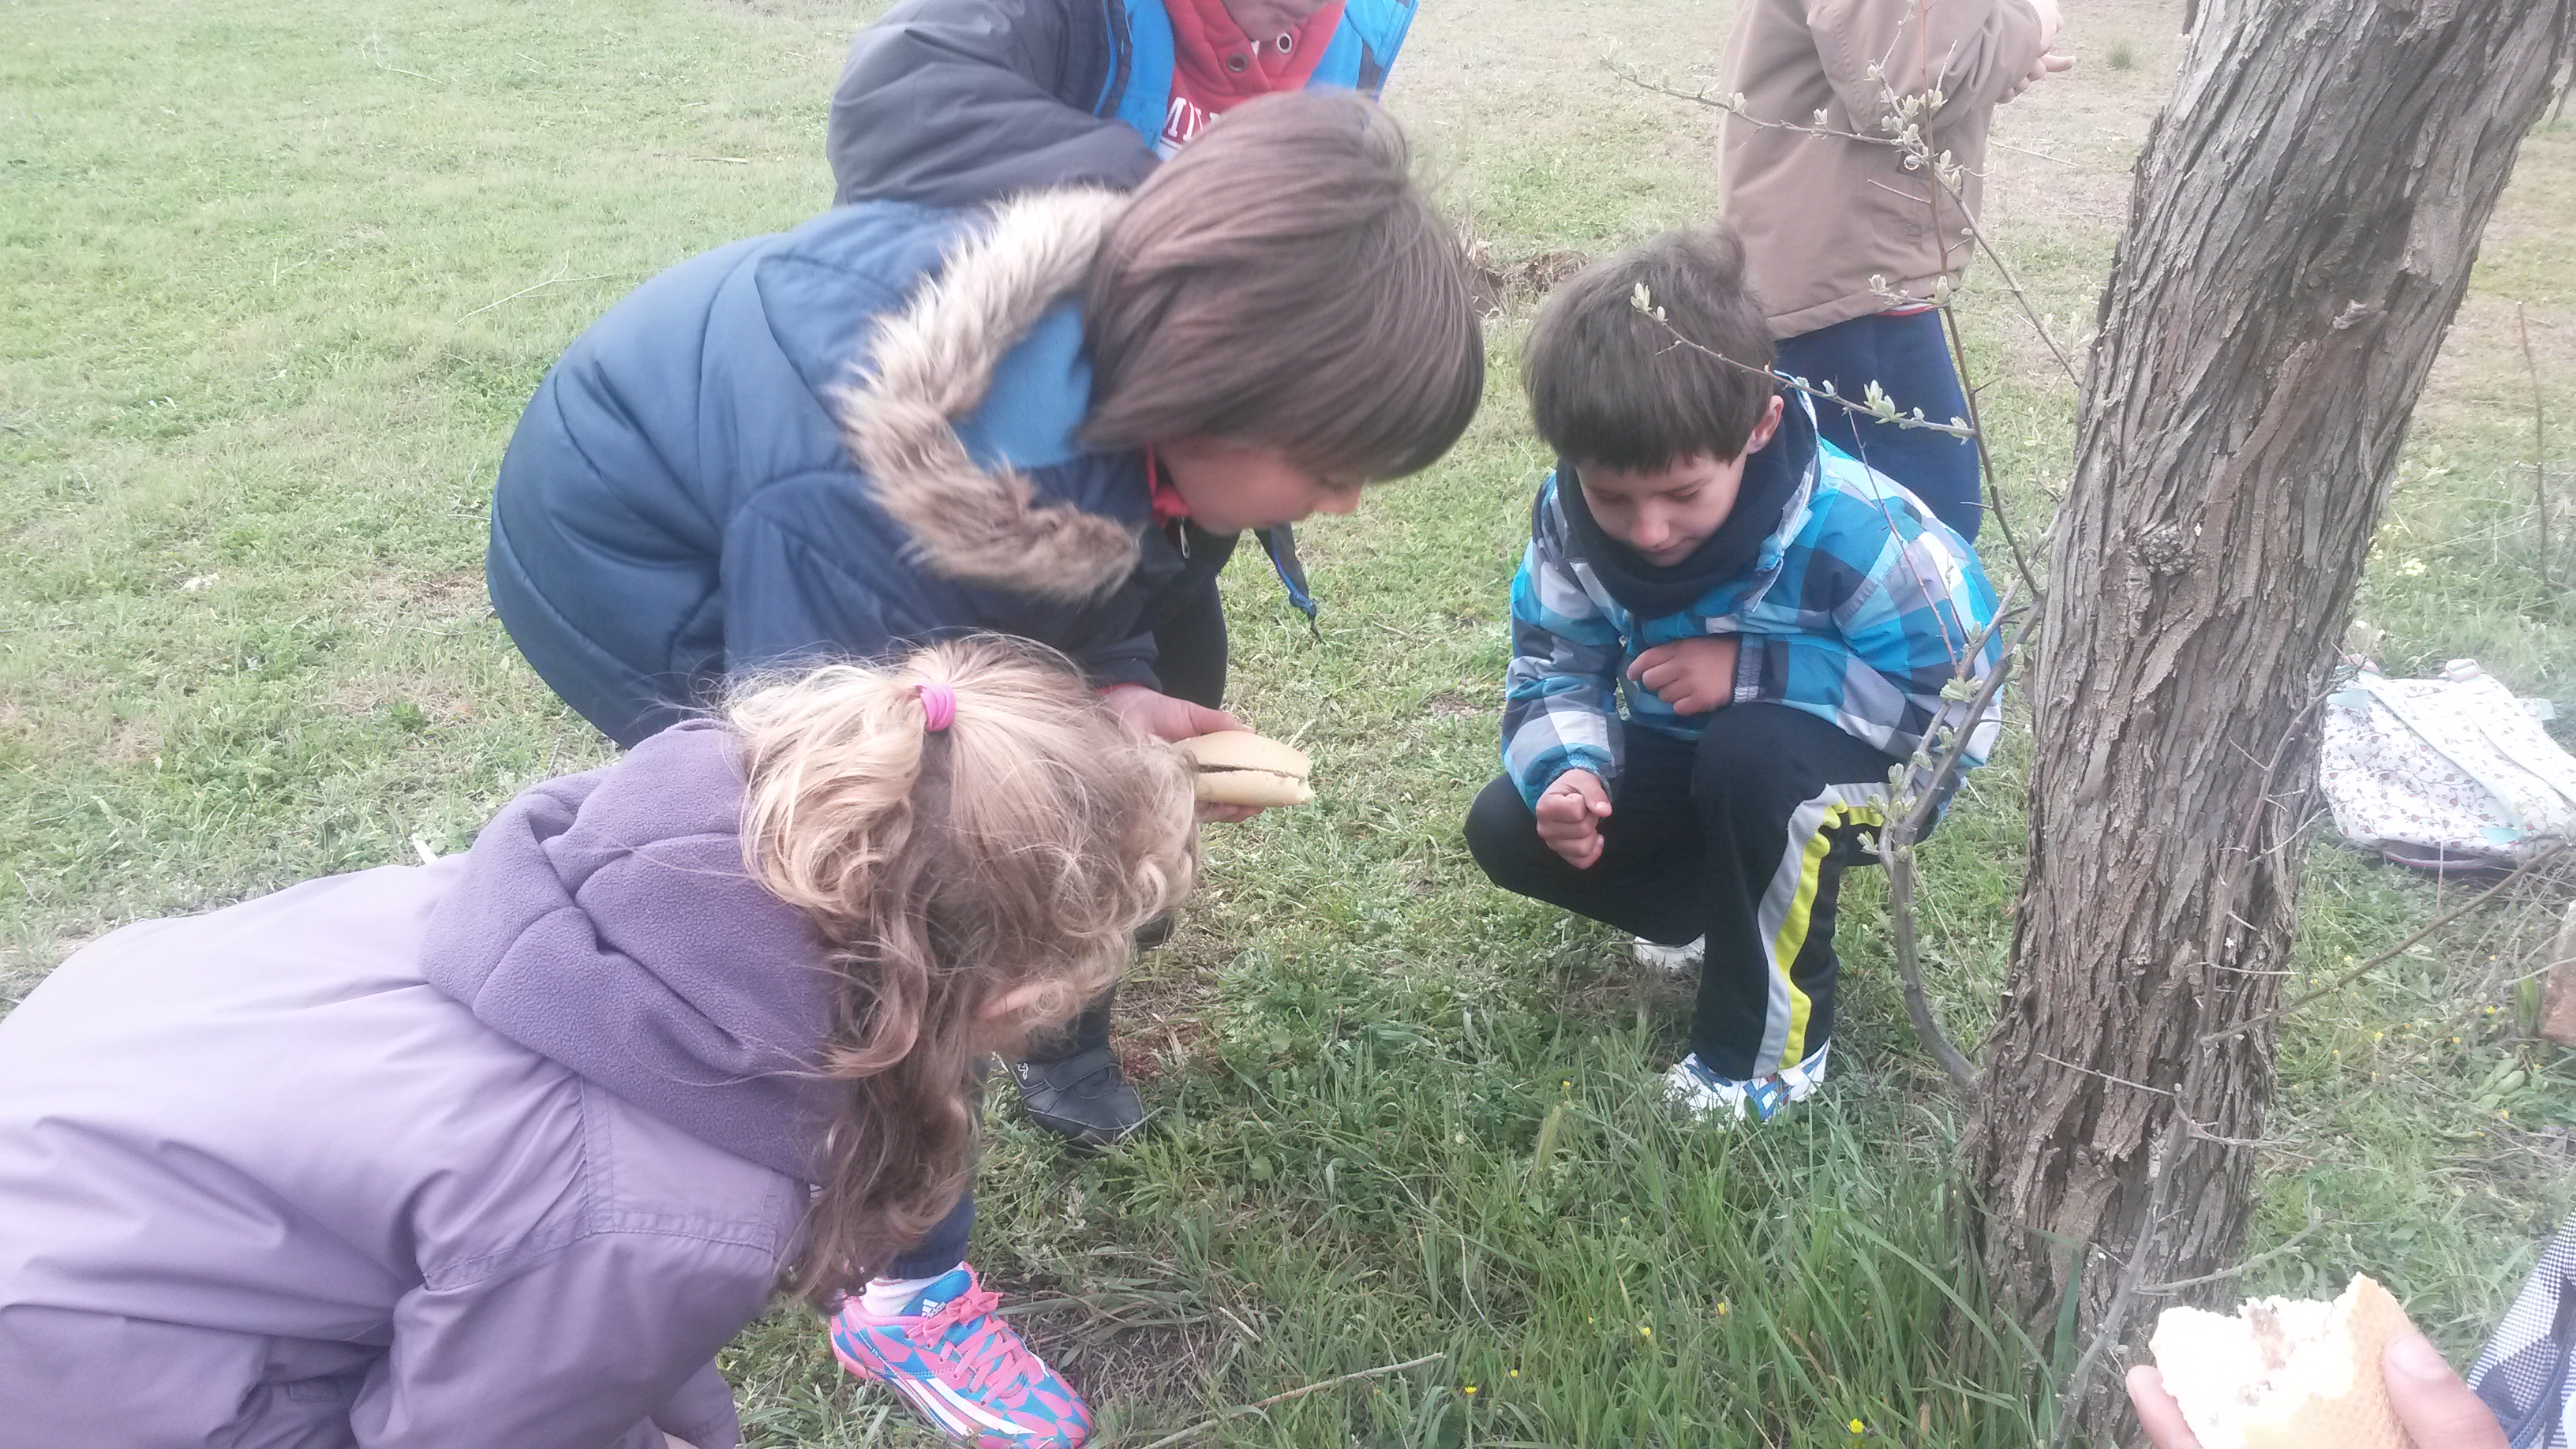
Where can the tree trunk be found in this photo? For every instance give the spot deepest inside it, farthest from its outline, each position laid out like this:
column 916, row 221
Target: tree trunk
column 2300, row 232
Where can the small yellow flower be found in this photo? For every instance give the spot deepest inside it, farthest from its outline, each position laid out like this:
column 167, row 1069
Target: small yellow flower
column 1721, row 1308
column 1516, row 1373
column 2505, row 1112
column 1470, row 1390
column 1857, row 1427
column 1567, row 1084
column 1644, row 1332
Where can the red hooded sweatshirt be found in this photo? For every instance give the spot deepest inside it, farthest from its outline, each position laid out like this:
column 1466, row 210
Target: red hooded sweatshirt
column 1216, row 67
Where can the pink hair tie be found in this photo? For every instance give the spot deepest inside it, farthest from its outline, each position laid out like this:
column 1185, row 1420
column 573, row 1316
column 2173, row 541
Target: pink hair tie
column 938, row 705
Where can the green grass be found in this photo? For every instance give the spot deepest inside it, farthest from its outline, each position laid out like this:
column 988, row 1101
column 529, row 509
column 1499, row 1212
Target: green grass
column 280, row 281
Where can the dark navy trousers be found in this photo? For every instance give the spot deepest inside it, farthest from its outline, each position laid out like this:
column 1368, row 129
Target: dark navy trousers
column 1740, row 837
column 1909, row 358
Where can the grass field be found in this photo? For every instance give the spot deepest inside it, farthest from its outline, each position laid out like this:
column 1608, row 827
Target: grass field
column 279, row 279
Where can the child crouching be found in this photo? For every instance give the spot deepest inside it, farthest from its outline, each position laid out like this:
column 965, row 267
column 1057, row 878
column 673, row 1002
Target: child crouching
column 502, row 1149
column 1782, row 621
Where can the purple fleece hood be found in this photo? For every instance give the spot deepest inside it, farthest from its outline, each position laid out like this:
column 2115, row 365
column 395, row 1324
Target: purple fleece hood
column 605, row 920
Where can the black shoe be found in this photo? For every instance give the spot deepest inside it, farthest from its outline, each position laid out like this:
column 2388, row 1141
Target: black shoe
column 1084, row 1097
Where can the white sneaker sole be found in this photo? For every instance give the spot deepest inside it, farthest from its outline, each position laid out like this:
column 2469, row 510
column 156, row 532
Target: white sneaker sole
column 1671, row 960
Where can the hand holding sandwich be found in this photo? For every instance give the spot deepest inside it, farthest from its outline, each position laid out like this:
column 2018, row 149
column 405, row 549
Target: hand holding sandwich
column 1152, row 712
column 2438, row 1410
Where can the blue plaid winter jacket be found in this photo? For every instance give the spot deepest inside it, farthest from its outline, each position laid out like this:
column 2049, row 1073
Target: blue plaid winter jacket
column 1860, row 609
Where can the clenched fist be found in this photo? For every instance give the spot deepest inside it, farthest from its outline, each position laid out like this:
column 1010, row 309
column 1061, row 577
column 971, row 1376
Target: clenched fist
column 1570, row 812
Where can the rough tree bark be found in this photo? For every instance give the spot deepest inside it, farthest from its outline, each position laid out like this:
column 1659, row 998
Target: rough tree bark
column 2300, row 232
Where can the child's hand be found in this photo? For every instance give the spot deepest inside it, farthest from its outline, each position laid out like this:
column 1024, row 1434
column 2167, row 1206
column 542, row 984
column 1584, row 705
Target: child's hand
column 1149, row 712
column 1570, row 812
column 1153, row 713
column 1694, row 676
column 2041, row 69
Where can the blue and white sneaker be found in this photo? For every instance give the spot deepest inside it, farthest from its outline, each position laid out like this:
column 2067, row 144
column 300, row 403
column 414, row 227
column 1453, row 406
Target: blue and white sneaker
column 961, row 1364
column 1705, row 1095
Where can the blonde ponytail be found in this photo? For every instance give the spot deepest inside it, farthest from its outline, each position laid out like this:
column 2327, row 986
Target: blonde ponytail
column 1021, row 845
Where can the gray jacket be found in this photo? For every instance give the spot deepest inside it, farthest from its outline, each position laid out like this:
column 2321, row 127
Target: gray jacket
column 497, row 1151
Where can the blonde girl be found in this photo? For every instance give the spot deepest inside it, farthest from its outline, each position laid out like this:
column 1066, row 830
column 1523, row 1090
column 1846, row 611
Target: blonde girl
column 501, row 1149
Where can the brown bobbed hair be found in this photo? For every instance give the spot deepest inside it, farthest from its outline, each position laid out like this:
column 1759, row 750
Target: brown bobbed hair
column 1022, row 845
column 1614, row 386
column 1283, row 282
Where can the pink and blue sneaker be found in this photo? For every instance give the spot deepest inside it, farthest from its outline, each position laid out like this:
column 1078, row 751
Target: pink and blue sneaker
column 963, row 1367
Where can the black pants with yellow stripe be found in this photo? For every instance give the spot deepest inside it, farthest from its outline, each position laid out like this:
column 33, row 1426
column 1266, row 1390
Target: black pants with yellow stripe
column 1741, row 837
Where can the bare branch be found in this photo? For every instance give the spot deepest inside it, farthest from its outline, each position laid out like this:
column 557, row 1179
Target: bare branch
column 2375, row 962
column 2539, row 451
column 2315, row 1221
column 556, row 280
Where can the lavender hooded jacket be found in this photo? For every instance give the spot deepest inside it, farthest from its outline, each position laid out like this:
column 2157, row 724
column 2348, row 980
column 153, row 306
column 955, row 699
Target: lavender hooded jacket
column 492, row 1152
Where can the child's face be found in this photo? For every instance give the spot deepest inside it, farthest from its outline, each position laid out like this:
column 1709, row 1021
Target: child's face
column 1233, row 486
column 1664, row 513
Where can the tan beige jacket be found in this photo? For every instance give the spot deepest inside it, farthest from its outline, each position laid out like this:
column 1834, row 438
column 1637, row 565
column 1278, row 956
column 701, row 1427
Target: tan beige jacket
column 1822, row 214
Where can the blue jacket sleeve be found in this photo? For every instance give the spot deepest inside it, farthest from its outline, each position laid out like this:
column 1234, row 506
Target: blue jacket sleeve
column 954, row 102
column 1907, row 624
column 1560, row 696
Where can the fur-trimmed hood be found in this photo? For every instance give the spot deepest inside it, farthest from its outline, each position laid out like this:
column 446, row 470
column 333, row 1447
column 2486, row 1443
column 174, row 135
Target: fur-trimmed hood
column 821, row 443
column 929, row 367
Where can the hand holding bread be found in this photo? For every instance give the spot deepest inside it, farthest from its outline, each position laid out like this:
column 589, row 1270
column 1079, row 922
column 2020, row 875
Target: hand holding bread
column 2286, row 1372
column 1238, row 767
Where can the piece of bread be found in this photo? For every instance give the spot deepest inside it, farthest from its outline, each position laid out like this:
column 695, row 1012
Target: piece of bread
column 1238, row 767
column 2285, row 1373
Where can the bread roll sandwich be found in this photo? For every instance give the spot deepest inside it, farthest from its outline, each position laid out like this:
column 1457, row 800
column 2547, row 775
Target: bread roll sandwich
column 2285, row 1373
column 1238, row 767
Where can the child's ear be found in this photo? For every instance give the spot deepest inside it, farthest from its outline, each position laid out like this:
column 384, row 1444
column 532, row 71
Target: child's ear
column 1765, row 429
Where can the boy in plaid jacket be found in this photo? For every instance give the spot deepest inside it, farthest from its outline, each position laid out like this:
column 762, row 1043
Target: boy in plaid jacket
column 1781, row 621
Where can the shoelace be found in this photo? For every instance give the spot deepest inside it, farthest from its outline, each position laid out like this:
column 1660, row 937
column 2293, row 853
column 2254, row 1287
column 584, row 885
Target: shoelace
column 990, row 1354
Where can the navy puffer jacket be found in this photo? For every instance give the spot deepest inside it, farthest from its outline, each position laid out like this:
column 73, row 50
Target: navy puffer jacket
column 825, row 443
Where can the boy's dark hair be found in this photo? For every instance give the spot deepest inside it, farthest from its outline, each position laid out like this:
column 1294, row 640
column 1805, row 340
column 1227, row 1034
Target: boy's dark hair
column 1282, row 282
column 1612, row 385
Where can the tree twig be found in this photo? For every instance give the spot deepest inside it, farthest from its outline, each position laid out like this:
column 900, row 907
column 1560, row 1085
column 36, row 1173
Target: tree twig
column 2316, row 1220
column 2366, row 967
column 2070, row 1398
column 1256, row 1407
column 1896, row 851
column 1655, row 314
column 2539, row 450
column 539, row 287
column 1985, row 455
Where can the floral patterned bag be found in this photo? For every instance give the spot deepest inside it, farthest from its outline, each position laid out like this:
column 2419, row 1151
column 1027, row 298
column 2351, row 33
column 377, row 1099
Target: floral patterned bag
column 2444, row 773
